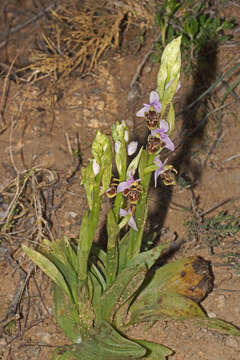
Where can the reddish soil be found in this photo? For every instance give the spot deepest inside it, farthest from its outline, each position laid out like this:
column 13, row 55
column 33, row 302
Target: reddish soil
column 43, row 124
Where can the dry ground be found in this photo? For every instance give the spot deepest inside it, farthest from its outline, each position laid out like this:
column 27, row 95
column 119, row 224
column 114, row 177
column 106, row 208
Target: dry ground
column 46, row 132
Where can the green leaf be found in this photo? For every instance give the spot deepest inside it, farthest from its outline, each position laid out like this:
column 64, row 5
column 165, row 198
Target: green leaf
column 220, row 325
column 149, row 257
column 102, row 153
column 123, row 251
column 84, row 247
column 169, row 72
column 120, row 137
column 112, row 248
column 151, row 307
column 105, row 343
column 120, row 290
column 135, row 237
column 134, row 163
column 171, row 118
column 101, row 256
column 88, row 180
column 62, row 255
column 62, row 353
column 155, row 351
column 66, row 315
column 48, row 267
column 97, row 289
column 188, row 276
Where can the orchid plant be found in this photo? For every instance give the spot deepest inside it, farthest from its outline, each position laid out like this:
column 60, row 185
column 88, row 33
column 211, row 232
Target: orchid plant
column 99, row 293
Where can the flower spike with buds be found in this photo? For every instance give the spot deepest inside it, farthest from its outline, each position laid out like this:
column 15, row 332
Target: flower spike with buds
column 164, row 171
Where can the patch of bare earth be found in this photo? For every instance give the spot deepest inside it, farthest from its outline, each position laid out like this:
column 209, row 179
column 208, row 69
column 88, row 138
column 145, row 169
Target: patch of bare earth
column 50, row 128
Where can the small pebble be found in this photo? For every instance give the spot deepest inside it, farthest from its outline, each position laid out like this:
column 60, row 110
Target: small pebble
column 211, row 314
column 73, row 214
column 221, row 301
column 94, row 123
column 132, row 94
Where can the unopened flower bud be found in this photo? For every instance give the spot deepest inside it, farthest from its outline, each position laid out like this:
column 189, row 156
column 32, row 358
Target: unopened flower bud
column 95, row 167
column 117, row 147
column 126, row 136
column 132, row 147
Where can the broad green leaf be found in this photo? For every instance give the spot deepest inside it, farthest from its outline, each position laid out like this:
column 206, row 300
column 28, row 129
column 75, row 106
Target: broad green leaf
column 220, row 325
column 155, row 351
column 105, row 343
column 123, row 251
column 69, row 275
column 188, row 276
column 66, row 315
column 48, row 267
column 97, row 289
column 101, row 256
column 61, row 254
column 62, row 353
column 159, row 305
column 111, row 297
column 150, row 256
column 97, row 272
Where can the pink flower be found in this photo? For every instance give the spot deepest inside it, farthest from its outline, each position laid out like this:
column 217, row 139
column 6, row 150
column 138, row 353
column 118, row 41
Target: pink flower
column 162, row 133
column 131, row 221
column 126, row 184
column 154, row 105
column 160, row 170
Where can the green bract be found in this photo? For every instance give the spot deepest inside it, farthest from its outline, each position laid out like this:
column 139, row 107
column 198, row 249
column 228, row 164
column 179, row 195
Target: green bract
column 169, row 72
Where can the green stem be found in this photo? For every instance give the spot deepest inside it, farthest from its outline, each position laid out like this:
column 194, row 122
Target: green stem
column 87, row 233
column 135, row 237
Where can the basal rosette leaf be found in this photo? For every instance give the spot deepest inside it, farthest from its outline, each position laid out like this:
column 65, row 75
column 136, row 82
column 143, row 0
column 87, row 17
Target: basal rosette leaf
column 66, row 315
column 155, row 351
column 163, row 305
column 106, row 343
column 220, row 325
column 120, row 290
column 148, row 258
column 48, row 267
column 190, row 277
